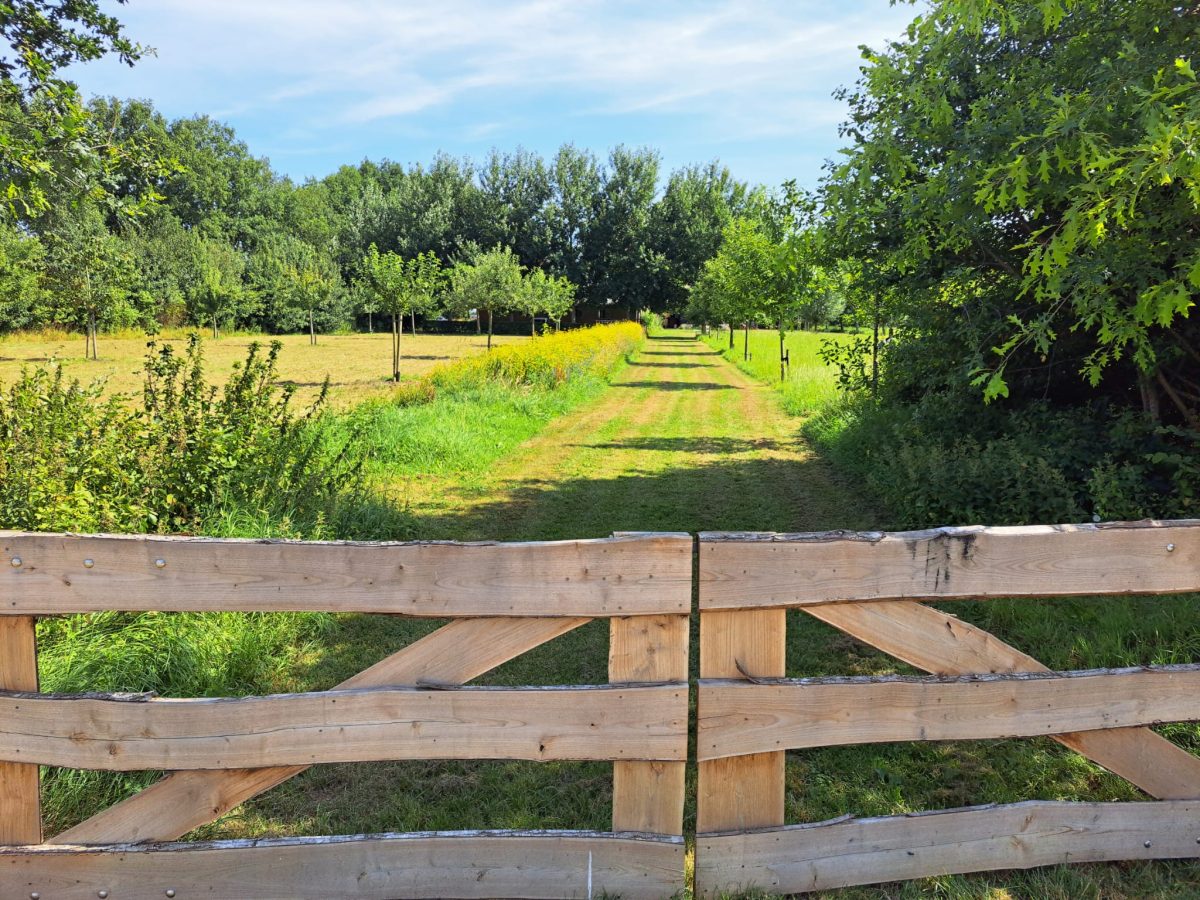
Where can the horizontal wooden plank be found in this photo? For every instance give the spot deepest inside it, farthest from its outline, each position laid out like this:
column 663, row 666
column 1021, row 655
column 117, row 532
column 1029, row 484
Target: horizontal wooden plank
column 944, row 645
column 841, row 853
column 460, row 650
column 369, row 867
column 739, row 571
column 639, row 575
column 737, row 718
column 609, row 722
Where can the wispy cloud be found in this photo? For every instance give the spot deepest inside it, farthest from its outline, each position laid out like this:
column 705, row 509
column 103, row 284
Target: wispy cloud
column 727, row 67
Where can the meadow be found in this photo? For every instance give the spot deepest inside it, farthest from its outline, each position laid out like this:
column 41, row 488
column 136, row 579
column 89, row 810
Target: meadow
column 357, row 365
column 809, row 384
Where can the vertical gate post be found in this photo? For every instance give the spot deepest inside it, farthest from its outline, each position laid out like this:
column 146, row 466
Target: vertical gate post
column 648, row 796
column 20, row 803
column 741, row 791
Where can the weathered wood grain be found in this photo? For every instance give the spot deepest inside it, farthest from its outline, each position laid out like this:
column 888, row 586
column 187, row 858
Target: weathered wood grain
column 455, row 653
column 836, row 854
column 606, row 577
column 648, row 796
column 745, row 792
column 944, row 645
column 739, row 571
column 737, row 718
column 20, row 801
column 364, row 867
column 621, row 722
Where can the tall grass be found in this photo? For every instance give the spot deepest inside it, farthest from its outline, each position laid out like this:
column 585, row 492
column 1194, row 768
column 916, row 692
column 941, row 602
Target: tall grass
column 809, row 386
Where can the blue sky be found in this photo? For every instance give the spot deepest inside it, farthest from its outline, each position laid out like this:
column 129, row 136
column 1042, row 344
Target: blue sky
column 313, row 84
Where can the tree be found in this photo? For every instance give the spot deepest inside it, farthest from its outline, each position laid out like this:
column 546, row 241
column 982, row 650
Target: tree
column 88, row 269
column 490, row 281
column 1022, row 181
column 218, row 285
column 21, row 296
column 623, row 266
column 399, row 286
column 52, row 145
column 548, row 295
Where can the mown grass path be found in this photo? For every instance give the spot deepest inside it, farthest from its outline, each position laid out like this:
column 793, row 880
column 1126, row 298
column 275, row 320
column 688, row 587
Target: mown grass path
column 683, row 441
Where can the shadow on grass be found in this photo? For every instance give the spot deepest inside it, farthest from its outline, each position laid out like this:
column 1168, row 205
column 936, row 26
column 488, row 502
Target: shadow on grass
column 667, row 365
column 722, row 445
column 667, row 386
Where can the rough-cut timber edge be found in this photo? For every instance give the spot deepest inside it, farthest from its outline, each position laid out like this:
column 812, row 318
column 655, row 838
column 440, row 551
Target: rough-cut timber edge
column 845, row 852
column 637, row 575
column 748, row 570
column 170, row 808
column 736, row 718
column 747, row 791
column 20, row 796
column 602, row 722
column 944, row 645
column 648, row 796
column 475, row 864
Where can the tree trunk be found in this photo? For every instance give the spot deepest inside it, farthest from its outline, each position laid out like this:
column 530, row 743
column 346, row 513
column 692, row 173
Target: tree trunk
column 312, row 330
column 92, row 332
column 782, row 357
column 489, row 346
column 1149, row 392
column 533, row 326
column 478, row 321
column 395, row 348
column 746, row 343
column 370, row 324
column 731, row 330
column 414, row 322
column 214, row 325
column 875, row 354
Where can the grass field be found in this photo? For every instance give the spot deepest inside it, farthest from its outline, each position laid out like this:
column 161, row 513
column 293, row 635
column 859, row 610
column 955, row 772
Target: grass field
column 809, row 383
column 681, row 440
column 358, row 365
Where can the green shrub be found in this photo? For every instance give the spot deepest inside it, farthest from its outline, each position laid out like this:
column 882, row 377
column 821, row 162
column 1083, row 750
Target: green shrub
column 71, row 461
column 947, row 459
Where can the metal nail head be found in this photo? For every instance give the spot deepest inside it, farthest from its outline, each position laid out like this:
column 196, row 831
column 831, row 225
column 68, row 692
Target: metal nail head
column 160, row 563
column 16, row 562
column 170, row 892
column 1146, row 844
column 87, row 564
column 1170, row 548
column 35, row 896
column 102, row 894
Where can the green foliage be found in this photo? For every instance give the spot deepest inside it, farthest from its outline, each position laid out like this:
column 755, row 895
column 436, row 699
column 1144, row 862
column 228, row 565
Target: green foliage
column 1019, row 185
column 54, row 150
column 545, row 295
column 71, row 462
column 651, row 321
column 21, row 297
column 943, row 461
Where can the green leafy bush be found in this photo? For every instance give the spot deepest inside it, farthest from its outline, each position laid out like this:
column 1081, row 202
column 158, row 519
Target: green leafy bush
column 946, row 459
column 71, row 461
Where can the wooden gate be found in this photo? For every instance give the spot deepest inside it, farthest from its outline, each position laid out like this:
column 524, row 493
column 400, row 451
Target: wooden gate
column 868, row 586
column 502, row 599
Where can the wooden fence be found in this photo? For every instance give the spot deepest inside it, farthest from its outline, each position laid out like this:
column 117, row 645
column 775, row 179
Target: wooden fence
column 869, row 585
column 506, row 599
column 502, row 599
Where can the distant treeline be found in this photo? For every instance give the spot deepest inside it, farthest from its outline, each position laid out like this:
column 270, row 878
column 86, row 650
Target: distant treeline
column 231, row 238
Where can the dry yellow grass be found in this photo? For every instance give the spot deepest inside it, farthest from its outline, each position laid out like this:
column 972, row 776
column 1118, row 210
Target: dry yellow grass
column 358, row 365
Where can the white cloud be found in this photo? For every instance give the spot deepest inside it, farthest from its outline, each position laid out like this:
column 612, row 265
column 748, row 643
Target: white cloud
column 729, row 67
